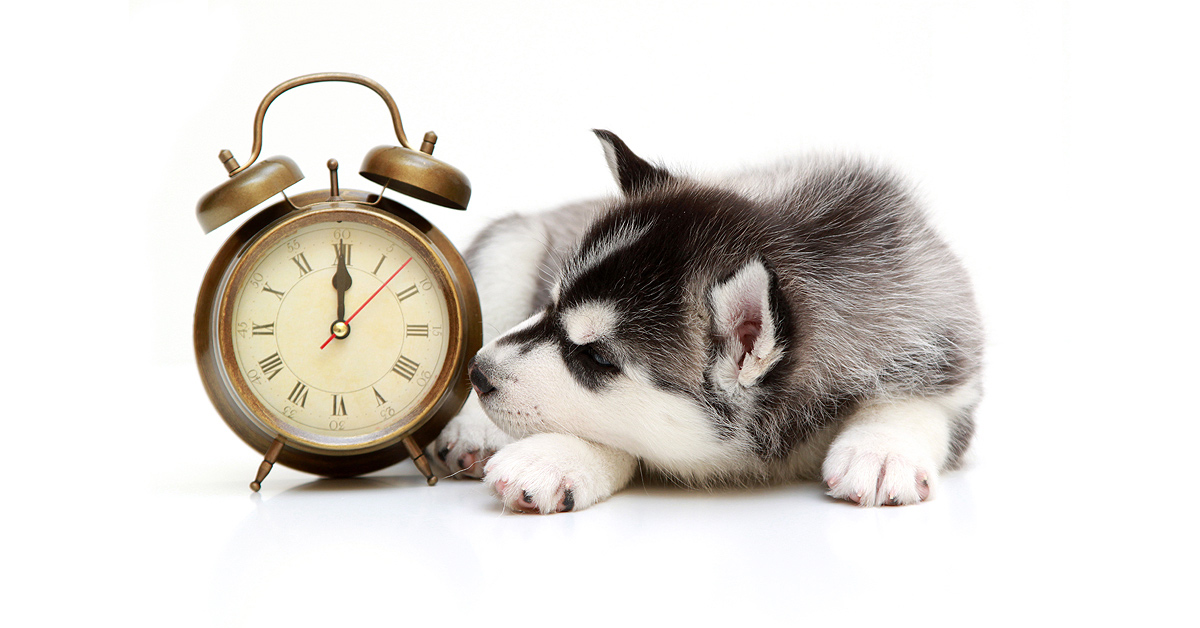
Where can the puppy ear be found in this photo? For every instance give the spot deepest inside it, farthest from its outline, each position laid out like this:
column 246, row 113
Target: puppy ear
column 744, row 326
column 632, row 173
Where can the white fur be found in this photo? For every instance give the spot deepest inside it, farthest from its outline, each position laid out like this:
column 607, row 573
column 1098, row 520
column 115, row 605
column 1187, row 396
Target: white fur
column 535, row 473
column 508, row 280
column 590, row 322
column 471, row 438
column 889, row 452
column 537, row 394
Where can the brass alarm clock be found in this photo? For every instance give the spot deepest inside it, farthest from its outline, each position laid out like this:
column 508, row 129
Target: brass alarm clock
column 334, row 327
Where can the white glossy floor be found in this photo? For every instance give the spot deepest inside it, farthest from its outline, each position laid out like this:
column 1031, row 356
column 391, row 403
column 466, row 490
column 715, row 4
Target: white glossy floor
column 166, row 532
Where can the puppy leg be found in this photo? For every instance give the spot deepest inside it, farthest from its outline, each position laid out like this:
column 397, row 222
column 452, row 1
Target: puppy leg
column 466, row 443
column 548, row 473
column 889, row 452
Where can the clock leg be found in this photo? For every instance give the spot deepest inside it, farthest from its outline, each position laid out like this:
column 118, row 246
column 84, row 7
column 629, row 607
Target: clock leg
column 265, row 467
column 418, row 458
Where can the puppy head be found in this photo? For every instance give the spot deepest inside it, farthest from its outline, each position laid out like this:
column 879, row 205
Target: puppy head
column 660, row 324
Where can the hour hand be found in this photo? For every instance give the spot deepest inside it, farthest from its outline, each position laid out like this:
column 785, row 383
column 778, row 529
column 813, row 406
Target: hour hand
column 341, row 282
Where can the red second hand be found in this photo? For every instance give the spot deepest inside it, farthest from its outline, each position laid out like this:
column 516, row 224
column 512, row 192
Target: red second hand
column 360, row 308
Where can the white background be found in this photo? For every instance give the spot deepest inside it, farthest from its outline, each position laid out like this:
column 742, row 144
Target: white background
column 1055, row 143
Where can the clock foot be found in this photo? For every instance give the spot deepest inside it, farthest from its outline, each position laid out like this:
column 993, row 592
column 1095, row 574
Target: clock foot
column 265, row 467
column 419, row 459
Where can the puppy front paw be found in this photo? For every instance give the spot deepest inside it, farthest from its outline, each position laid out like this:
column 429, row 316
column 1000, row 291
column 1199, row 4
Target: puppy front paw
column 872, row 475
column 549, row 473
column 466, row 444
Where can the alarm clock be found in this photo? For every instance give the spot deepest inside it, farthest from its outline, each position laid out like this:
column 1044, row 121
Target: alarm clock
column 333, row 328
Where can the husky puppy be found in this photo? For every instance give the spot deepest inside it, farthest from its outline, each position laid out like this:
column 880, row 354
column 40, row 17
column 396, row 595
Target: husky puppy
column 798, row 321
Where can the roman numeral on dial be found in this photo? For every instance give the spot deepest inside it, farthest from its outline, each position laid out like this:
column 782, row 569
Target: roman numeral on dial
column 267, row 288
column 339, row 405
column 417, row 330
column 302, row 262
column 406, row 368
column 271, row 365
column 299, row 394
column 344, row 247
column 379, row 400
column 263, row 330
column 407, row 292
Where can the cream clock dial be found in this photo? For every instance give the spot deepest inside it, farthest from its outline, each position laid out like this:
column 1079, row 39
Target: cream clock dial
column 339, row 362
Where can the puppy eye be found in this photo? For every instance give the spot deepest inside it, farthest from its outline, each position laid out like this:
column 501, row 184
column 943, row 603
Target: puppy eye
column 596, row 357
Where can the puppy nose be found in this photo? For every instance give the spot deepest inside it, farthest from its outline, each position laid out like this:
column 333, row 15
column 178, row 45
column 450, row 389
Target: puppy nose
column 479, row 380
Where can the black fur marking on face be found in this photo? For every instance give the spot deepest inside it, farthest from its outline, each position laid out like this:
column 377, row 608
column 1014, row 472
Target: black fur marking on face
column 568, row 500
column 541, row 331
column 584, row 368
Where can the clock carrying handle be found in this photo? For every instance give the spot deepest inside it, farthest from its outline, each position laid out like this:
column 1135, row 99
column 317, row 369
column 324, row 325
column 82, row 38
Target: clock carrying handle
column 231, row 164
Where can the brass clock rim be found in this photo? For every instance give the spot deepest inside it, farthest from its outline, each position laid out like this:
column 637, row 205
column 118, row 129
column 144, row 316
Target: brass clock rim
column 337, row 463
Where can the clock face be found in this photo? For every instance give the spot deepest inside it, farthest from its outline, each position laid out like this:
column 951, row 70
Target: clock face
column 338, row 329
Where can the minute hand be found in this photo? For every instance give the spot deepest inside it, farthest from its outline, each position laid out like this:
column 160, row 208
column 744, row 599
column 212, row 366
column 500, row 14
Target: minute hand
column 360, row 308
